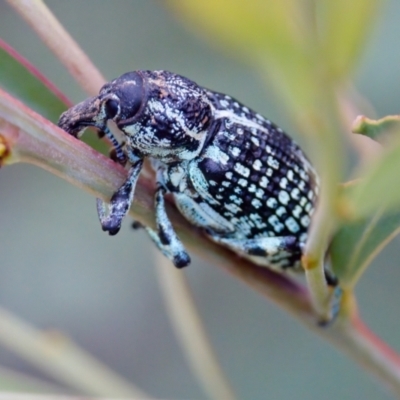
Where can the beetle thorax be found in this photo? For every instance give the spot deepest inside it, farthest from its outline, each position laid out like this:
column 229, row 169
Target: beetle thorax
column 174, row 121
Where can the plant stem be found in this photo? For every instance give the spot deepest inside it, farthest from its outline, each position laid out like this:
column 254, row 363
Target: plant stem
column 53, row 34
column 356, row 340
column 30, row 138
column 189, row 328
column 59, row 357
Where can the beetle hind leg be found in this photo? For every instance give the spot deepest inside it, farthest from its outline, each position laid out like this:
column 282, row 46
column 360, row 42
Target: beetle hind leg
column 174, row 250
column 278, row 254
column 165, row 237
column 274, row 252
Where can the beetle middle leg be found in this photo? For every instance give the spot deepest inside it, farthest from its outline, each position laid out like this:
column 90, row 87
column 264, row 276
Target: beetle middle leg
column 165, row 237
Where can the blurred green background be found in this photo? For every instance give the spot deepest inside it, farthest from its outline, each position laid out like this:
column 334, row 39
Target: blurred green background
column 59, row 270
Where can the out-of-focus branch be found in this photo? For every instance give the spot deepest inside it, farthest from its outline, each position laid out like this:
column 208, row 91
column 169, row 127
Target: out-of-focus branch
column 53, row 34
column 62, row 359
column 190, row 330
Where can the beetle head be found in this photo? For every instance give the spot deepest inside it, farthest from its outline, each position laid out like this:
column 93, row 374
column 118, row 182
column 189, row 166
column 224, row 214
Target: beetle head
column 118, row 100
column 162, row 114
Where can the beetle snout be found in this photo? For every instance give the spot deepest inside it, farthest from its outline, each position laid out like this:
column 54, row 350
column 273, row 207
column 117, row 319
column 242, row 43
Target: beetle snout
column 84, row 114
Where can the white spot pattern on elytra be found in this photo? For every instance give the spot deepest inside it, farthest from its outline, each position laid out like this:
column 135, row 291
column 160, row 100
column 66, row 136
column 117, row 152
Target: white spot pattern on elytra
column 260, row 193
column 235, row 151
column 242, row 182
column 263, row 182
column 256, row 203
column 252, row 188
column 305, row 221
column 272, row 202
column 280, row 211
column 255, row 141
column 276, row 224
column 273, row 162
column 242, row 170
column 257, row 165
column 292, row 225
column 297, row 211
column 237, row 200
column 283, row 197
column 283, row 183
column 258, row 221
column 295, row 194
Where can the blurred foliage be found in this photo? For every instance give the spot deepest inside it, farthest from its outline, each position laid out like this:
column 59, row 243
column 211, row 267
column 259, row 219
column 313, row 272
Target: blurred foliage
column 357, row 243
column 344, row 29
column 379, row 186
column 25, row 82
column 22, row 79
column 378, row 130
column 299, row 44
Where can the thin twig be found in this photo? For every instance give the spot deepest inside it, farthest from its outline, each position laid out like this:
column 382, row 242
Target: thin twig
column 53, row 34
column 16, row 380
column 189, row 328
column 360, row 344
column 61, row 358
column 29, row 396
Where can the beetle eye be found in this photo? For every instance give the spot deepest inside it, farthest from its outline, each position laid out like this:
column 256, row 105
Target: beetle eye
column 111, row 108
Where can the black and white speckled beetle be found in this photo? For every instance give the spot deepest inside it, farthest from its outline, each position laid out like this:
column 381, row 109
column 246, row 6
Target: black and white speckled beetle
column 231, row 171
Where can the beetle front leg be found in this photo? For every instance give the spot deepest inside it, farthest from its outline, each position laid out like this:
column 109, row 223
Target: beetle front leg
column 165, row 237
column 116, row 154
column 111, row 215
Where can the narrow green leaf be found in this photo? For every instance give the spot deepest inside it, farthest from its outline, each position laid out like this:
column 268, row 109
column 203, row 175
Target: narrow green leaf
column 20, row 78
column 377, row 129
column 344, row 29
column 273, row 36
column 379, row 186
column 24, row 81
column 250, row 27
column 356, row 245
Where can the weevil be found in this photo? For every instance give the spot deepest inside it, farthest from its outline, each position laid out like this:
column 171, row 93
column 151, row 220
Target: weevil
column 231, row 172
